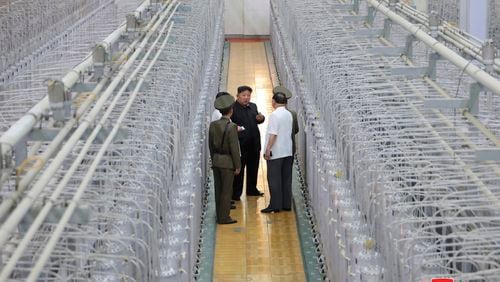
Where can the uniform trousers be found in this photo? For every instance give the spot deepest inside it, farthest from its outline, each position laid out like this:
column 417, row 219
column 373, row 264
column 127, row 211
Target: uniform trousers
column 279, row 178
column 223, row 182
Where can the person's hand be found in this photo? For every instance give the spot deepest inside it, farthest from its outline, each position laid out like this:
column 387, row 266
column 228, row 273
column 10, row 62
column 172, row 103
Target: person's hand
column 267, row 155
column 259, row 117
column 240, row 128
column 237, row 171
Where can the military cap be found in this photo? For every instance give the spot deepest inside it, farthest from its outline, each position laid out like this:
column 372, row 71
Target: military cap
column 221, row 94
column 283, row 90
column 224, row 102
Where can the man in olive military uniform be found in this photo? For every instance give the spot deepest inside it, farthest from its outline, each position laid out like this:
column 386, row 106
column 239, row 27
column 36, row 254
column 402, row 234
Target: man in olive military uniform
column 295, row 129
column 225, row 153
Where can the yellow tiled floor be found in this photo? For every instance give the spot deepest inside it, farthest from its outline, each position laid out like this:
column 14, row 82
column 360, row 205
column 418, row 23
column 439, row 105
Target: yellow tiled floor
column 260, row 247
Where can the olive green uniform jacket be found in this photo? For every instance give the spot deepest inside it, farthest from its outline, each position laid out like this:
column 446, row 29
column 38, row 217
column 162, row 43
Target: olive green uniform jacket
column 227, row 156
column 225, row 160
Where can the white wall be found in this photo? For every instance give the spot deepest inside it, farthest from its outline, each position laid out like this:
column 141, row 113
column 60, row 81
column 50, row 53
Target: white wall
column 247, row 17
column 233, row 16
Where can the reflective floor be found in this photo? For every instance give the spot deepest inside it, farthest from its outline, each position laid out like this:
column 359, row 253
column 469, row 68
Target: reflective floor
column 260, row 247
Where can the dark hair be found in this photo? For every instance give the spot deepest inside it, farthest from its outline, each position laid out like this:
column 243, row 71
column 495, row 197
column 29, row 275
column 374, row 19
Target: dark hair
column 221, row 94
column 244, row 88
column 225, row 111
column 280, row 98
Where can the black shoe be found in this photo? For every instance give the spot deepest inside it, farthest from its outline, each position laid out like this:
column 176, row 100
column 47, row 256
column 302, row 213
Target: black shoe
column 269, row 210
column 255, row 193
column 232, row 202
column 289, row 209
column 235, row 199
column 233, row 207
column 229, row 221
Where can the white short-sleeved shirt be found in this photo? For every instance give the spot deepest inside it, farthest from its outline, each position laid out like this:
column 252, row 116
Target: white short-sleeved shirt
column 280, row 124
column 216, row 115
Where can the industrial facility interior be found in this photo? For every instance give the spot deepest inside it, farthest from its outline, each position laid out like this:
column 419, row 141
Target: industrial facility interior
column 105, row 171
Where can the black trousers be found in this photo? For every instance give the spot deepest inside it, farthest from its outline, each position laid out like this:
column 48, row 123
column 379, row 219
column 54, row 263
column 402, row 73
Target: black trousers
column 223, row 182
column 250, row 157
column 279, row 178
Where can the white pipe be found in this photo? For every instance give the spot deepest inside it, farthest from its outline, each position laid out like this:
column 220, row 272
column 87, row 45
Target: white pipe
column 35, row 272
column 476, row 55
column 456, row 37
column 21, row 209
column 453, row 35
column 115, row 35
column 69, row 81
column 473, row 71
column 51, row 149
column 447, row 28
column 481, row 186
column 76, row 163
column 416, row 15
column 74, row 75
column 146, row 4
column 23, row 126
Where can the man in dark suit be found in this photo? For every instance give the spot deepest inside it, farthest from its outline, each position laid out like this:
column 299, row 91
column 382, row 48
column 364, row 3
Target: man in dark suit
column 246, row 115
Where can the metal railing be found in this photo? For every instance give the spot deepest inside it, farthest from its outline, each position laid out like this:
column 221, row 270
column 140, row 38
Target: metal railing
column 399, row 141
column 102, row 179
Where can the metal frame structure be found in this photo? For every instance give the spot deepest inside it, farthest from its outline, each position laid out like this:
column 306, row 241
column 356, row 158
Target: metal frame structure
column 399, row 112
column 102, row 178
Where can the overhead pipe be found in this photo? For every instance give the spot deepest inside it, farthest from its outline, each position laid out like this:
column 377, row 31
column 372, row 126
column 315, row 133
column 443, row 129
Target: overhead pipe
column 68, row 80
column 52, row 148
column 51, row 244
column 10, row 200
column 25, row 124
column 473, row 71
column 16, row 215
column 455, row 37
column 451, row 34
column 482, row 187
column 40, row 218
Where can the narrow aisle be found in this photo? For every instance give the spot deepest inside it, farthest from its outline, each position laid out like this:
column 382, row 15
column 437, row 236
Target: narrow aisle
column 260, row 247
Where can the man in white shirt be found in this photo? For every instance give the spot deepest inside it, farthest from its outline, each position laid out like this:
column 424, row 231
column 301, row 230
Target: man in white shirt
column 278, row 153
